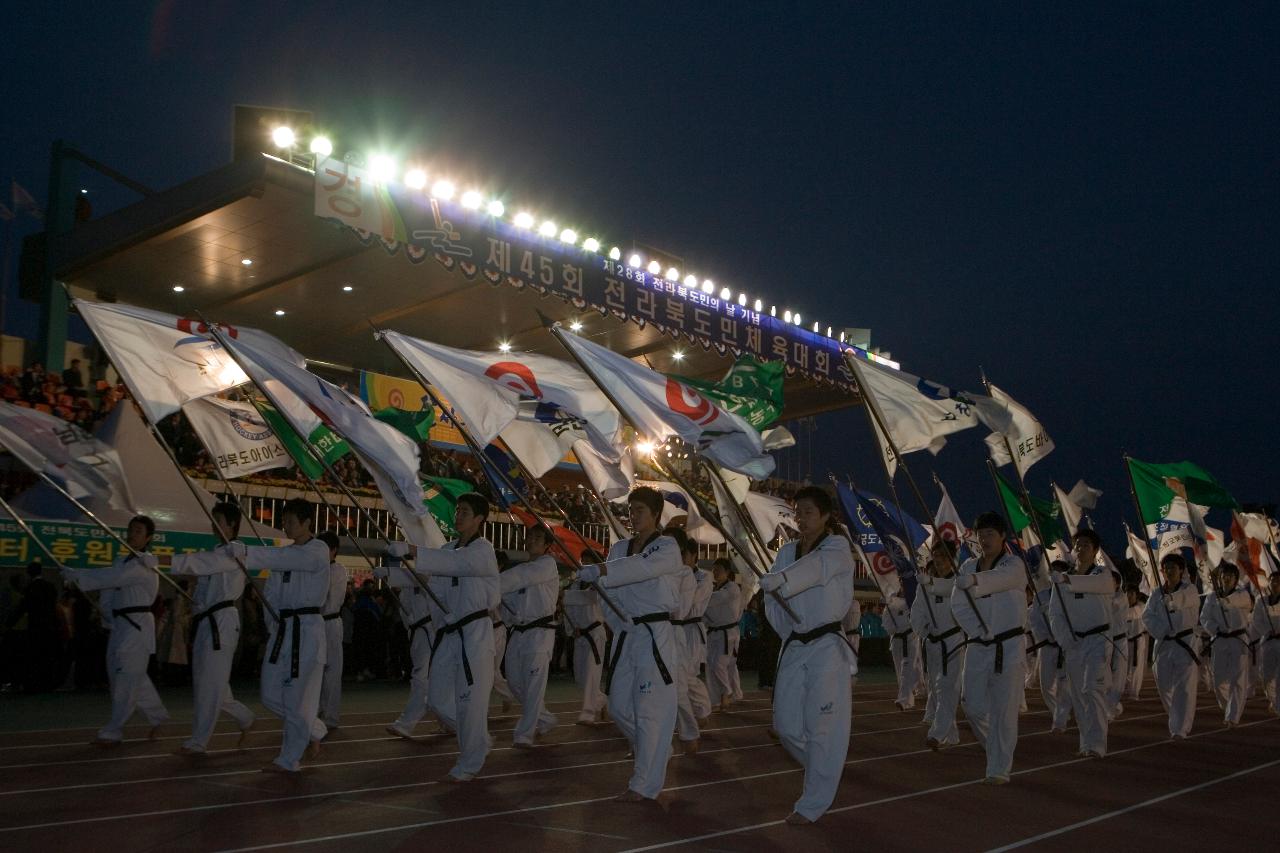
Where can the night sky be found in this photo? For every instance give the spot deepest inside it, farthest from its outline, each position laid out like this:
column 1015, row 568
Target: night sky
column 1083, row 201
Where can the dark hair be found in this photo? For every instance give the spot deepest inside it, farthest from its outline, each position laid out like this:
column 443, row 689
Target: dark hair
column 816, row 496
column 991, row 521
column 475, row 502
column 1060, row 566
column 34, row 569
column 301, row 510
column 230, row 515
column 683, row 539
column 329, row 538
column 724, row 563
column 1224, row 567
column 145, row 521
column 647, row 497
column 539, row 529
column 1090, row 535
column 1174, row 559
column 950, row 547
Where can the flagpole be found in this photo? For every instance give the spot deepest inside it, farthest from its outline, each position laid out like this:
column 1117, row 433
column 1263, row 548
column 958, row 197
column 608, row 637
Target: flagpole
column 26, row 528
column 1265, row 593
column 753, row 535
column 714, row 517
column 1151, row 554
column 487, row 468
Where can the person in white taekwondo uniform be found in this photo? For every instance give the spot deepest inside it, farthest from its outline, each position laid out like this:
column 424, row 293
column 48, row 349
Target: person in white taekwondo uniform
column 641, row 576
column 331, row 681
column 944, row 645
column 529, row 592
column 989, row 603
column 583, row 618
column 1171, row 617
column 723, row 613
column 1266, row 628
column 692, row 701
column 1050, row 661
column 217, row 632
column 813, row 690
column 1118, row 648
column 904, row 648
column 1085, row 630
column 1136, row 638
column 418, row 620
column 462, row 662
column 129, row 590
column 1225, row 615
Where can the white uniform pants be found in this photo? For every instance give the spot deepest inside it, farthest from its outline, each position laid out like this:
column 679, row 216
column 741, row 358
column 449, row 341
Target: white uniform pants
column 686, row 716
column 1137, row 667
column 528, row 662
column 1176, row 676
column 944, row 688
column 1231, row 676
column 131, row 689
column 643, row 705
column 295, row 700
column 699, row 698
column 906, row 667
column 416, row 707
column 331, row 681
column 812, row 714
column 722, row 664
column 991, row 701
column 1089, row 677
column 500, row 686
column 1117, row 676
column 470, row 701
column 1054, row 689
column 1269, row 663
column 211, row 674
column 588, row 662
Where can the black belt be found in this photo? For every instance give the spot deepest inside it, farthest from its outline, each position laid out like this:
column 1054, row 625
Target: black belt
column 421, row 624
column 125, row 611
column 646, row 620
column 1100, row 629
column 585, row 633
column 810, row 636
column 726, row 629
column 1045, row 644
column 457, row 627
column 1180, row 639
column 940, row 638
column 695, row 620
column 331, row 616
column 548, row 621
column 207, row 613
column 1238, row 634
column 1133, row 647
column 1115, row 638
column 902, row 635
column 295, row 615
column 998, row 642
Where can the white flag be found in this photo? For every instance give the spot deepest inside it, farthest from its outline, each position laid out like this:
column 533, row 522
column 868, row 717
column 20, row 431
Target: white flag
column 770, row 515
column 390, row 456
column 80, row 463
column 1084, row 496
column 1025, row 435
column 950, row 527
column 240, row 441
column 167, row 361
column 676, row 502
column 1071, row 513
column 739, row 539
column 662, row 407
column 1141, row 556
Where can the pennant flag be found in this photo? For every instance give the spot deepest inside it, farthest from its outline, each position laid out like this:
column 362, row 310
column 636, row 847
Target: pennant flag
column 168, row 361
column 328, row 443
column 380, row 391
column 739, row 540
column 416, row 425
column 772, row 517
column 950, row 527
column 440, row 496
column 71, row 457
column 1249, row 554
column 240, row 440
column 572, row 544
column 1069, row 512
column 1084, row 496
column 752, row 389
column 1137, row 551
column 23, row 202
column 1157, row 485
column 1046, row 511
column 889, row 536
column 662, row 407
column 1028, row 440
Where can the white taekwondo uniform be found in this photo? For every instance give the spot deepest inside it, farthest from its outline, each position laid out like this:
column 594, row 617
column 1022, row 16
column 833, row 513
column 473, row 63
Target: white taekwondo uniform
column 851, row 624
column 692, row 700
column 1172, row 619
column 418, row 621
column 583, row 617
column 331, row 681
column 1136, row 643
column 1266, row 628
column 813, row 690
column 216, row 635
column 1229, row 626
column 904, row 647
column 1051, row 661
column 1086, row 642
column 722, row 616
column 129, row 590
column 943, row 657
column 1118, row 648
column 529, row 592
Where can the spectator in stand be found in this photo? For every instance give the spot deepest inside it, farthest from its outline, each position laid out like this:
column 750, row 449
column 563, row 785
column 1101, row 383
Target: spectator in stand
column 41, row 642
column 73, row 379
column 32, row 382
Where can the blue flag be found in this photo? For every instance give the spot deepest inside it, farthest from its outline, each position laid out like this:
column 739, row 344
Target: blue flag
column 500, row 468
column 888, row 536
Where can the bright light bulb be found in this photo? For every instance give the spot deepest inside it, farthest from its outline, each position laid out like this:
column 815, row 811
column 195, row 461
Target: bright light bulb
column 635, row 261
column 786, row 315
column 523, row 220
column 568, row 235
column 575, row 326
column 655, row 267
column 759, row 306
column 842, row 337
column 382, row 169
column 248, row 262
column 283, row 137
column 828, row 331
column 691, row 281
column 415, row 179
column 504, row 346
column 742, row 299
column 773, row 310
column 279, row 312
column 471, row 200
column 547, row 228
column 591, row 244
column 796, row 316
column 177, row 288
column 678, row 355
column 443, row 189
column 495, row 208
column 673, row 274
column 346, row 288
column 321, row 146
column 708, row 286
column 815, row 325
column 615, row 254
column 644, row 448
column 725, row 293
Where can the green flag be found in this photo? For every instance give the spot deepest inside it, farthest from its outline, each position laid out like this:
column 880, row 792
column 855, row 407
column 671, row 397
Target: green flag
column 442, row 499
column 752, row 389
column 1048, row 514
column 1157, row 484
column 416, row 425
column 331, row 445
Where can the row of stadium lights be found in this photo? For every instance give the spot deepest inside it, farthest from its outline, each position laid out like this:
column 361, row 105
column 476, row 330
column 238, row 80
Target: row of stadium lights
column 383, row 170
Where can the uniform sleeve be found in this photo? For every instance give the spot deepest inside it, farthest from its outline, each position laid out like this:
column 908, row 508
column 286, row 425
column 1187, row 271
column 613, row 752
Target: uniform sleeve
column 1007, row 574
column 1261, row 627
column 660, row 558
column 1095, row 584
column 1209, row 616
column 816, row 568
column 468, row 562
column 919, row 616
column 121, row 574
column 213, row 562
column 291, row 558
column 532, row 573
column 579, row 597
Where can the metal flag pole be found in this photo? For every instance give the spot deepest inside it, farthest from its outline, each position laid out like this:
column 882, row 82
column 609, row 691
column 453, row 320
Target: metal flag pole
column 26, row 528
column 1151, row 554
column 753, row 535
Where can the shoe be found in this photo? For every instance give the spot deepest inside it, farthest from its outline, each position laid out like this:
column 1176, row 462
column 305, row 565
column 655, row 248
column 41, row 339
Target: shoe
column 189, row 751
column 522, row 745
column 690, row 747
column 629, row 796
column 1089, row 753
column 1057, row 731
column 154, row 731
column 774, row 734
column 458, row 780
column 933, row 744
column 996, row 780
column 395, row 732
column 581, row 722
column 797, row 819
column 277, row 770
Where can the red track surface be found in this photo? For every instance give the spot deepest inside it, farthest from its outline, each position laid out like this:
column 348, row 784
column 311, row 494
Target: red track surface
column 368, row 791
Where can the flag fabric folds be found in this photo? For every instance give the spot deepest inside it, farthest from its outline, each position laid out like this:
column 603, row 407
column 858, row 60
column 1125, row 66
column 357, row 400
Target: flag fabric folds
column 950, row 527
column 752, row 389
column 326, row 442
column 1158, row 484
column 1026, row 437
column 888, row 536
column 1137, row 551
column 440, row 496
column 239, row 440
column 71, row 457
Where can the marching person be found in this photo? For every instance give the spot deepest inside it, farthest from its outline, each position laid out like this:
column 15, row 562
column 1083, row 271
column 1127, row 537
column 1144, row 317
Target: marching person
column 129, row 590
column 1050, row 662
column 813, row 696
column 641, row 575
column 1170, row 617
column 1081, row 614
column 989, row 604
column 529, row 592
column 1266, row 627
column 583, row 617
column 932, row 619
column 216, row 634
column 1119, row 648
column 418, row 620
column 331, row 681
column 723, row 613
column 695, row 592
column 904, row 648
column 500, row 637
column 1225, row 615
column 462, row 663
column 1136, row 636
